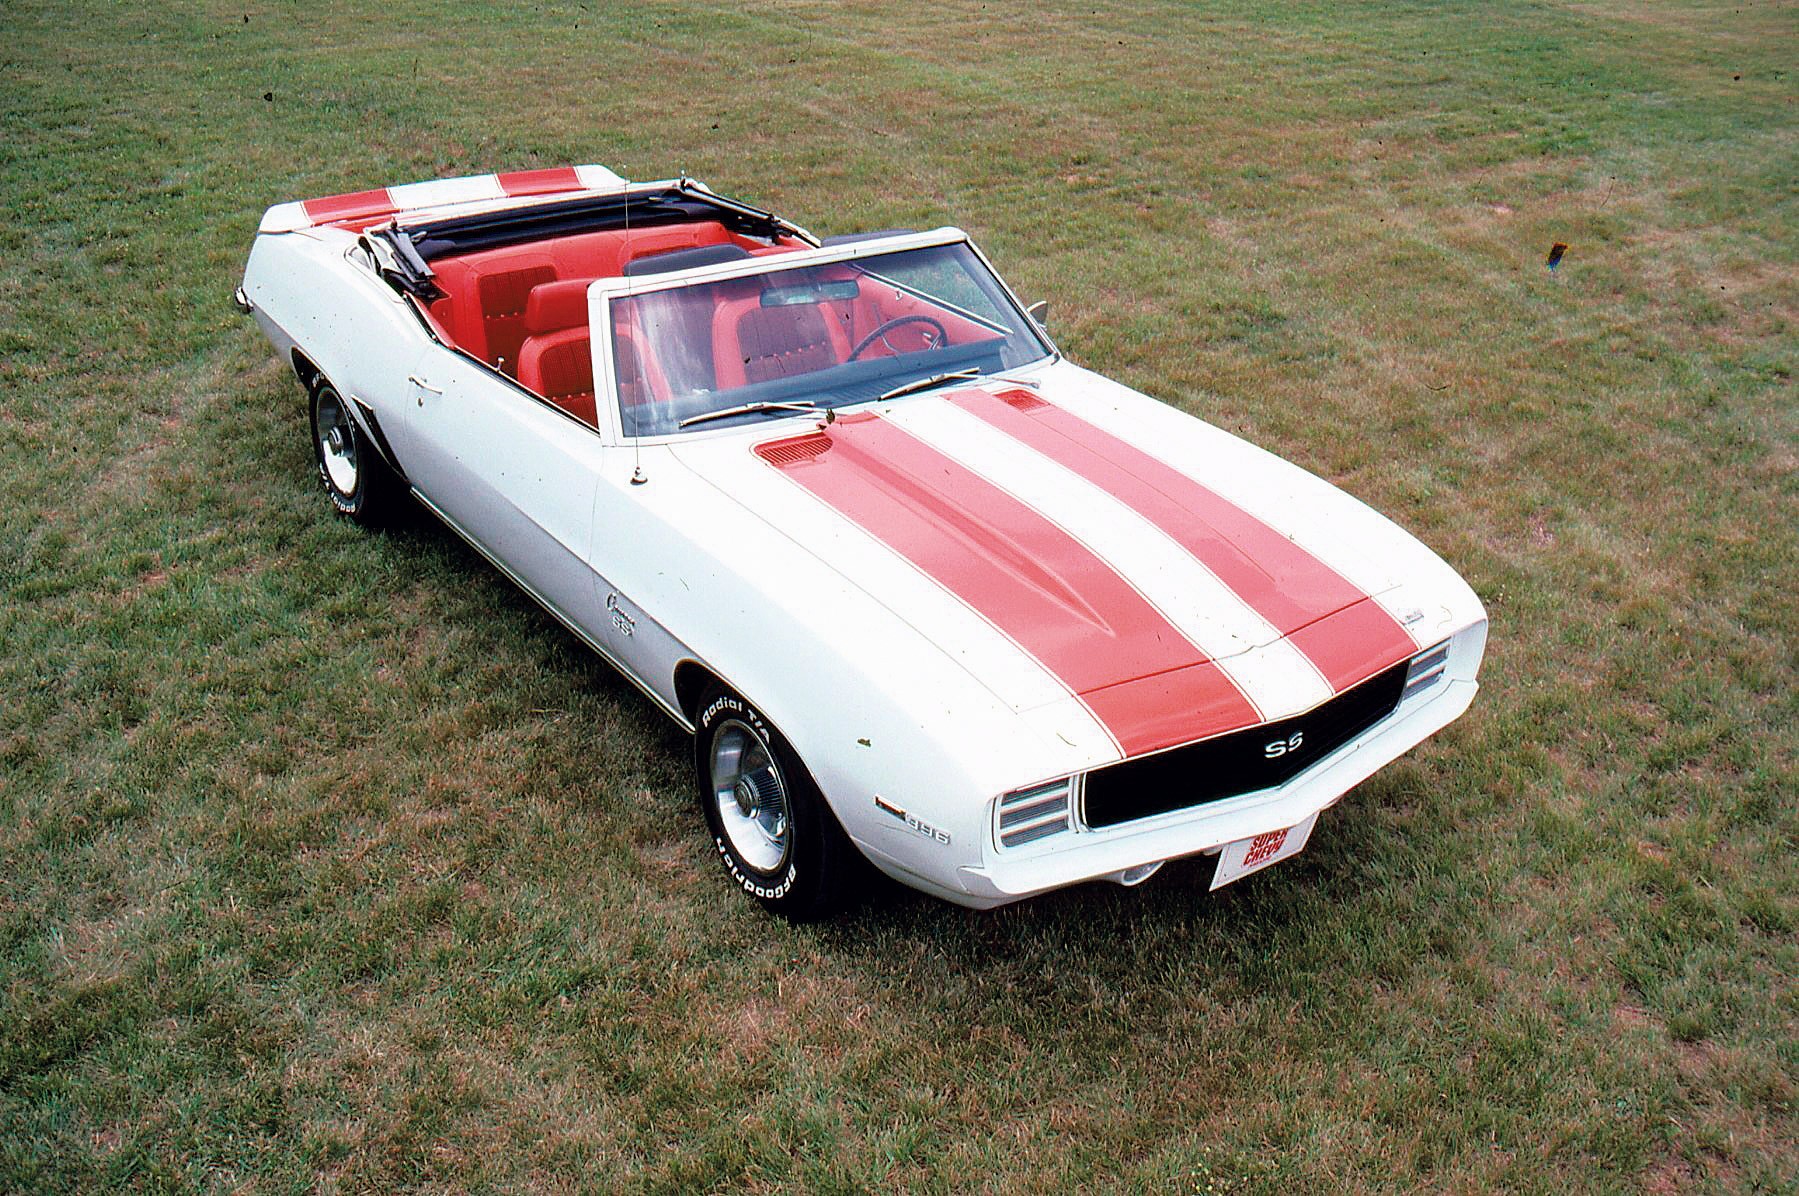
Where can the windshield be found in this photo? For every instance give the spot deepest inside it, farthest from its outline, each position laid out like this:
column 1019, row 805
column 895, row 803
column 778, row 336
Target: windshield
column 718, row 353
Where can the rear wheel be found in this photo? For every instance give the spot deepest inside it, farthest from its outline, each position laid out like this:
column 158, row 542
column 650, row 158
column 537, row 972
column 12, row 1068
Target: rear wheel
column 356, row 479
column 770, row 825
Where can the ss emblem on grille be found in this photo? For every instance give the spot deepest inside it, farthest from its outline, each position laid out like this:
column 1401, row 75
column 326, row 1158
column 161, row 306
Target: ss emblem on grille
column 1281, row 747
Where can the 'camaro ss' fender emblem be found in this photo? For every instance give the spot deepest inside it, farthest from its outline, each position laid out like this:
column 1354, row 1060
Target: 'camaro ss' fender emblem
column 625, row 623
column 923, row 828
column 1281, row 747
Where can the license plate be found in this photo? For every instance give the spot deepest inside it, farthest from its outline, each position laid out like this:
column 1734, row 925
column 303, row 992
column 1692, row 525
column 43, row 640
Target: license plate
column 1239, row 859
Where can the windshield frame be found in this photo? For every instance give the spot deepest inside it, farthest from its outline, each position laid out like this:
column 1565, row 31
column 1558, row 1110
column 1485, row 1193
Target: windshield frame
column 603, row 291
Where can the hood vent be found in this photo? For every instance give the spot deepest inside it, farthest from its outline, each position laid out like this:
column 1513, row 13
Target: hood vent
column 1020, row 398
column 795, row 450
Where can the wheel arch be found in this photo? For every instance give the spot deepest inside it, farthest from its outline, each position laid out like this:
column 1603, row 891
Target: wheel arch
column 691, row 680
column 833, row 841
column 693, row 677
column 310, row 376
column 308, row 373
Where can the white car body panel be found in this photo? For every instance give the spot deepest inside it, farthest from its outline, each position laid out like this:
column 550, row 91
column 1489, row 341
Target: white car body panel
column 517, row 475
column 673, row 551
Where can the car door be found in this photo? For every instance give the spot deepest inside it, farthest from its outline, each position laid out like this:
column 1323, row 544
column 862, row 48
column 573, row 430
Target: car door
column 633, row 539
column 510, row 471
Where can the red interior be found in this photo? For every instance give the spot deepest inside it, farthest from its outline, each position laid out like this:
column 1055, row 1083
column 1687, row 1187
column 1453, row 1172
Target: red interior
column 523, row 310
column 554, row 359
column 484, row 308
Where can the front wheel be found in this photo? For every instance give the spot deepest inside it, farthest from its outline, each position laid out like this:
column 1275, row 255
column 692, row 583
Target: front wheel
column 769, row 823
column 356, row 479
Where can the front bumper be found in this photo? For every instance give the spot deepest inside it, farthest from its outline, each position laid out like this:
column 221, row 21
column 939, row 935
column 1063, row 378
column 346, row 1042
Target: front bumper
column 1004, row 876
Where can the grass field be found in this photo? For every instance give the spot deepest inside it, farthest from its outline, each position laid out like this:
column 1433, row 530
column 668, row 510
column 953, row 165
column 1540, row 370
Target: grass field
column 327, row 862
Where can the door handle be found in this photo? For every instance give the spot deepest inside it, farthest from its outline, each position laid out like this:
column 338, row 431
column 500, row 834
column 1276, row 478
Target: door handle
column 423, row 385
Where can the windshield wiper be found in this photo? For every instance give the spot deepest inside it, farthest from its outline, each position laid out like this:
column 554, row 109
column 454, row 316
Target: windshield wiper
column 749, row 409
column 906, row 388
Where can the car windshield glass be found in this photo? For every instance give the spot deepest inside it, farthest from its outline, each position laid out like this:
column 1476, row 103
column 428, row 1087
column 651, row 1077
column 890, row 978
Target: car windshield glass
column 769, row 345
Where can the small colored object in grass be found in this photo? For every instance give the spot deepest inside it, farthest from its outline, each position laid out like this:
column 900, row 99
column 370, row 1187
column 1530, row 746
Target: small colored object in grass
column 1555, row 254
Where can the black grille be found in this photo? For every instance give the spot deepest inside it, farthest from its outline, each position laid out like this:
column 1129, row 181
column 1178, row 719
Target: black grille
column 1238, row 763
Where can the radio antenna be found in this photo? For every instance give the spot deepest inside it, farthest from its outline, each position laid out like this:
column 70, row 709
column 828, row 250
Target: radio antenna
column 637, row 474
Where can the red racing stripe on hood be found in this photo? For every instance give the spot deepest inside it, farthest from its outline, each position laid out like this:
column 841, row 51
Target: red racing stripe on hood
column 1144, row 680
column 1275, row 577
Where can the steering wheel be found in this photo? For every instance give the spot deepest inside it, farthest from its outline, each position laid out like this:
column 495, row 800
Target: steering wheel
column 880, row 334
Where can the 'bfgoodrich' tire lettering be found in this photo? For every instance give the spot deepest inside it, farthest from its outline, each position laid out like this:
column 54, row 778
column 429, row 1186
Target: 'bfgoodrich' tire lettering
column 750, row 886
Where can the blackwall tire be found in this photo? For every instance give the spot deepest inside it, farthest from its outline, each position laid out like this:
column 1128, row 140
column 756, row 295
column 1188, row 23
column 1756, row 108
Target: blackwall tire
column 778, row 839
column 356, row 479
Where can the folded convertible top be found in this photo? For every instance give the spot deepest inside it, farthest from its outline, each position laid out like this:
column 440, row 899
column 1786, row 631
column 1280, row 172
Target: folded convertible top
column 359, row 209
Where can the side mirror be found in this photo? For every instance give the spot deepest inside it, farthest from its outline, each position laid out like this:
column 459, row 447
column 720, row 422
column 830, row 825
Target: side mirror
column 1039, row 311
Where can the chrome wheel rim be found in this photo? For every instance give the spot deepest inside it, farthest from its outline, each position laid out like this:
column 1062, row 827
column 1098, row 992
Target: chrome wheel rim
column 337, row 444
column 751, row 797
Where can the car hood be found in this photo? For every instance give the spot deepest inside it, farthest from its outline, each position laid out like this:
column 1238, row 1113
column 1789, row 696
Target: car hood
column 1168, row 576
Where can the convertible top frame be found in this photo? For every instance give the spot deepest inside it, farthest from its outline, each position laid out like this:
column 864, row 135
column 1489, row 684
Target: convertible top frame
column 417, row 243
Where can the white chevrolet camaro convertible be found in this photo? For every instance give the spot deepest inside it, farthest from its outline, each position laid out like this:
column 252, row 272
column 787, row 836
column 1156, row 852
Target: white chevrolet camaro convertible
column 928, row 594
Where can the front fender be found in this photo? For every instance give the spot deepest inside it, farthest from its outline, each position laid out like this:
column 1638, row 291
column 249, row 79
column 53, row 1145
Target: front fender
column 874, row 708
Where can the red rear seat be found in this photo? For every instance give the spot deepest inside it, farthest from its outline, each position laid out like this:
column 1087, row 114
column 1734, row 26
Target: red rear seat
column 556, row 359
column 523, row 309
column 484, row 313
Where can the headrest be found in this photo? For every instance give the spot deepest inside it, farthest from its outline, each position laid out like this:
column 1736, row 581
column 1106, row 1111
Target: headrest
column 554, row 306
column 684, row 259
